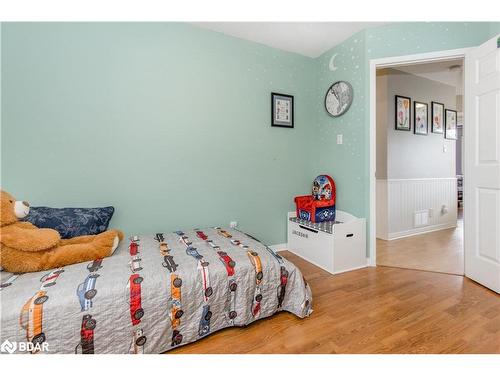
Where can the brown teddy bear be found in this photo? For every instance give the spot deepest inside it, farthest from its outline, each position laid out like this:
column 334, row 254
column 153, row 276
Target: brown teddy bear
column 26, row 248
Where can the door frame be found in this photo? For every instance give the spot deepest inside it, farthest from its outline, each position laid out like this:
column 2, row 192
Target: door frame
column 393, row 62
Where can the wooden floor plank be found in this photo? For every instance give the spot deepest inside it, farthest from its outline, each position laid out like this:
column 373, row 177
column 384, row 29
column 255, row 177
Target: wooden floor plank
column 439, row 251
column 373, row 310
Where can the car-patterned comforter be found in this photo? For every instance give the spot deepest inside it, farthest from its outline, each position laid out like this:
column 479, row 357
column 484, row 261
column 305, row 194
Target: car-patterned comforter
column 155, row 293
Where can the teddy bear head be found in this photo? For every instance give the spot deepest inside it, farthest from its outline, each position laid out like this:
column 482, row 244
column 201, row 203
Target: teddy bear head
column 12, row 210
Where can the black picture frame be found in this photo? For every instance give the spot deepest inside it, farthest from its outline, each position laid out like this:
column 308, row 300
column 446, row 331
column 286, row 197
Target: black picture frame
column 282, row 124
column 433, row 130
column 415, row 104
column 396, row 127
column 448, row 134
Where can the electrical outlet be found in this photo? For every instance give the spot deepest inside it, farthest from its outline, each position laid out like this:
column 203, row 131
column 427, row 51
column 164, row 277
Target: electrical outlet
column 340, row 139
column 233, row 224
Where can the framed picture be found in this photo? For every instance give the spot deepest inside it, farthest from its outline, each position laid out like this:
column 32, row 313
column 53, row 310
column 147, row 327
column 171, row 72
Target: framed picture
column 402, row 113
column 460, row 120
column 437, row 115
column 420, row 123
column 281, row 110
column 450, row 126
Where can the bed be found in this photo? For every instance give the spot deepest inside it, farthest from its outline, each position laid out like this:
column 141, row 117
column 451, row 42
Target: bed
column 155, row 293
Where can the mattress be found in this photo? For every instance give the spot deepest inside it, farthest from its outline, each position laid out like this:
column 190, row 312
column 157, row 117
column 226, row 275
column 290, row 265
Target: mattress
column 155, row 293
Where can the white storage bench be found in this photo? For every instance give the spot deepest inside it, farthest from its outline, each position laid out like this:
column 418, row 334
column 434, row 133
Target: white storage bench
column 335, row 247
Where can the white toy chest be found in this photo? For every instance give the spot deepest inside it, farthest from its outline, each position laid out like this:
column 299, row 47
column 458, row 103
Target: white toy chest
column 335, row 247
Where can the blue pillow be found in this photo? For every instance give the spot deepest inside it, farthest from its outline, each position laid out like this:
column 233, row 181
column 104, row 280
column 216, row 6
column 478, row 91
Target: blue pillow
column 71, row 222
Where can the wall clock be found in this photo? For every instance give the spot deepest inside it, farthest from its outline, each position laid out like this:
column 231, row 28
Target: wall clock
column 338, row 98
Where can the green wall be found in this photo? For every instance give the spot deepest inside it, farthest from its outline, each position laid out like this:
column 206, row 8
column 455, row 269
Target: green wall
column 171, row 123
column 494, row 29
column 348, row 164
column 167, row 122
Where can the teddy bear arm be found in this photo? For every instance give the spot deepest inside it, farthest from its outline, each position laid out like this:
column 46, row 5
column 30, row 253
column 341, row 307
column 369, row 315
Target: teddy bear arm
column 25, row 239
column 25, row 225
column 79, row 239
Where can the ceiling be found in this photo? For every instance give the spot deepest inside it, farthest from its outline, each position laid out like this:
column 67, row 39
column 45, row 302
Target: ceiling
column 306, row 38
column 437, row 71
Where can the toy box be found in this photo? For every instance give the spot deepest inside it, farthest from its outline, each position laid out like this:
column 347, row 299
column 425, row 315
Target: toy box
column 320, row 205
column 336, row 247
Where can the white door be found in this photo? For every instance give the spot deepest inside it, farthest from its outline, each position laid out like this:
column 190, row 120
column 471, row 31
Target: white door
column 482, row 165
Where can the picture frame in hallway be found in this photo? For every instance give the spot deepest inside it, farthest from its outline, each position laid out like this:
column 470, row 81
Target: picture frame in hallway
column 282, row 110
column 420, row 118
column 450, row 127
column 402, row 119
column 437, row 116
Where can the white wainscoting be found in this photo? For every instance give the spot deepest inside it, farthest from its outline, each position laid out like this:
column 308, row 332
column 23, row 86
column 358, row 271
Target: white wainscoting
column 399, row 199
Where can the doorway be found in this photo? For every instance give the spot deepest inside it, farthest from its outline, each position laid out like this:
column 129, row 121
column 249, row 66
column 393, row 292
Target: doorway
column 481, row 161
column 417, row 173
column 419, row 113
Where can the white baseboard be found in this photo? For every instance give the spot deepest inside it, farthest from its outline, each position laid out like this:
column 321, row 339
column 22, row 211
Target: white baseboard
column 279, row 247
column 329, row 271
column 310, row 261
column 371, row 261
column 422, row 230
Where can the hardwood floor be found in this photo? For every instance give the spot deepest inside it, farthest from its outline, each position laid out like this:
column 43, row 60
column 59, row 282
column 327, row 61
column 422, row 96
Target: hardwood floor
column 373, row 310
column 440, row 251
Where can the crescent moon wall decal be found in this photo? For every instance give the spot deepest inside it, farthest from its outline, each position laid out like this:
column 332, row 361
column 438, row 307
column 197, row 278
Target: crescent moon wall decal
column 332, row 63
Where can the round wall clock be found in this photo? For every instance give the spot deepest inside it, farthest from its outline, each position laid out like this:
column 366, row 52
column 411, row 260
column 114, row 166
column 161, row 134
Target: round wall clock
column 338, row 98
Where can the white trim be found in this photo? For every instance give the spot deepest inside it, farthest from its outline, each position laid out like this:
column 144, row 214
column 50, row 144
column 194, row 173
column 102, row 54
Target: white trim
column 420, row 57
column 416, row 231
column 417, row 179
column 323, row 268
column 380, row 63
column 279, row 247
